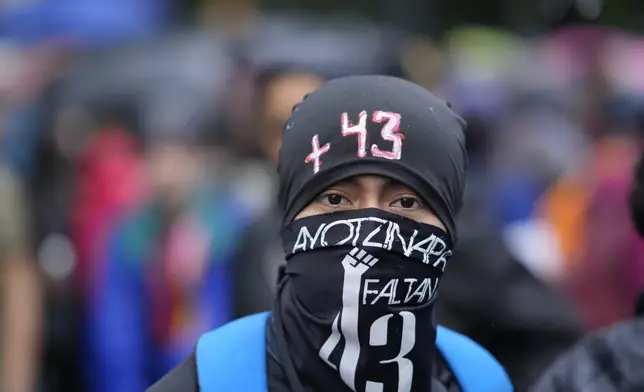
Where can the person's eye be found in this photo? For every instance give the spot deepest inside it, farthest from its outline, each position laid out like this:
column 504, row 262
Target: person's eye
column 407, row 203
column 333, row 199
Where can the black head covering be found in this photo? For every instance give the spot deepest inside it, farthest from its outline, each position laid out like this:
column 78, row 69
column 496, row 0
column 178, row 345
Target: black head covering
column 636, row 197
column 433, row 160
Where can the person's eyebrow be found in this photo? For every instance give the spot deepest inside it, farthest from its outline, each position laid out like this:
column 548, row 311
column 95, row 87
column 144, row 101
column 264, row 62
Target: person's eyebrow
column 391, row 183
column 394, row 185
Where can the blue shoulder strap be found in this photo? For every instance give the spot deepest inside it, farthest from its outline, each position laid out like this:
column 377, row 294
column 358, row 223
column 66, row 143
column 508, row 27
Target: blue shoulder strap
column 234, row 357
column 475, row 369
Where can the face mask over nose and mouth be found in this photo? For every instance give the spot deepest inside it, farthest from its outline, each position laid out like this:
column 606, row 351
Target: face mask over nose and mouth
column 364, row 261
column 371, row 175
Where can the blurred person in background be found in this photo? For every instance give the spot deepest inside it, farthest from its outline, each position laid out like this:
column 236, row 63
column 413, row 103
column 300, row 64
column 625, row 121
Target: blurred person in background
column 607, row 276
column 50, row 35
column 610, row 360
column 90, row 174
column 494, row 290
column 20, row 292
column 109, row 181
column 563, row 67
column 316, row 339
column 491, row 294
column 21, row 302
column 169, row 266
column 87, row 172
column 278, row 92
column 256, row 140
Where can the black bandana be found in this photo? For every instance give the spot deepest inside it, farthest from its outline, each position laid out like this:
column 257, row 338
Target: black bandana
column 355, row 307
column 359, row 291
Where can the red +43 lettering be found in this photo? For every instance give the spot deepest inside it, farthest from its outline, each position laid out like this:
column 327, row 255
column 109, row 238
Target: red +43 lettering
column 389, row 132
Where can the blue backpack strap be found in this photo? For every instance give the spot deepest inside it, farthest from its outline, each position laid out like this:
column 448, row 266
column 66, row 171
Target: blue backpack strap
column 233, row 357
column 475, row 369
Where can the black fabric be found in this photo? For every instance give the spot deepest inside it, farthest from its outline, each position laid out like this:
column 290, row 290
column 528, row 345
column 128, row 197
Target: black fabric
column 639, row 307
column 356, row 304
column 636, row 196
column 443, row 380
column 443, row 376
column 605, row 361
column 256, row 264
column 182, row 378
column 432, row 157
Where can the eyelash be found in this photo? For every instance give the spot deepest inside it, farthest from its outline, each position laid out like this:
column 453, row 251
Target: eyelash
column 323, row 198
column 418, row 203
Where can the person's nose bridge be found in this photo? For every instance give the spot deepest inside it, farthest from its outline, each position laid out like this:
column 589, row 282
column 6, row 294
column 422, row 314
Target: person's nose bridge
column 371, row 198
column 371, row 189
column 370, row 201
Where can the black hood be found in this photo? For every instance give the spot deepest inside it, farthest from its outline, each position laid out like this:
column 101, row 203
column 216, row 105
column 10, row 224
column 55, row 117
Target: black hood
column 432, row 159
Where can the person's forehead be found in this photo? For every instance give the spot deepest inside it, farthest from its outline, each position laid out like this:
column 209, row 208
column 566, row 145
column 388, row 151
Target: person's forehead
column 371, row 180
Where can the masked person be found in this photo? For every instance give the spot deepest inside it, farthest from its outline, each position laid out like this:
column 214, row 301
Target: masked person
column 371, row 172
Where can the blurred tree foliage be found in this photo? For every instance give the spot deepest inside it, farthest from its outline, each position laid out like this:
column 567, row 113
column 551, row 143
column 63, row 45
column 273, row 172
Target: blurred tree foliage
column 433, row 17
column 628, row 14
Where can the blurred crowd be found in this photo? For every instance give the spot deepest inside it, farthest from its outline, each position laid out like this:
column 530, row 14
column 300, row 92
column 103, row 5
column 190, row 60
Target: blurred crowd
column 137, row 177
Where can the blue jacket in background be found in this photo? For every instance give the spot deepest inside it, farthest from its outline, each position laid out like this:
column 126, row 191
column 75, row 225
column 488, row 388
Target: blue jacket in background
column 122, row 355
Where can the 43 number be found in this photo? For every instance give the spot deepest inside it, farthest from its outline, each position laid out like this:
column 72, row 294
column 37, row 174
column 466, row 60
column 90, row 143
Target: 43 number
column 390, row 132
column 345, row 326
